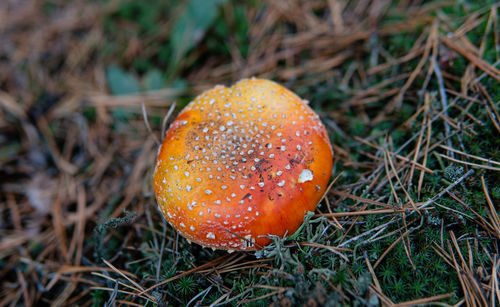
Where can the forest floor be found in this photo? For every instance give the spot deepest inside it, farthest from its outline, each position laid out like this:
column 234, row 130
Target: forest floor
column 408, row 90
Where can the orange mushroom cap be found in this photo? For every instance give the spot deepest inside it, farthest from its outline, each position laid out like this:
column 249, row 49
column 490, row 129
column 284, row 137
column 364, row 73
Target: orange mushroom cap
column 241, row 163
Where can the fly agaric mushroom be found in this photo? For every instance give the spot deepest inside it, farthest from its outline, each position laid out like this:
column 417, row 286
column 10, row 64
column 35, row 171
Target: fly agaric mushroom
column 241, row 163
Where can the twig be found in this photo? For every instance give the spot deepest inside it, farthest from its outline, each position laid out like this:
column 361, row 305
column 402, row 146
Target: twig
column 495, row 221
column 165, row 120
column 470, row 156
column 451, row 186
column 422, row 206
column 139, row 287
column 193, row 270
column 444, row 100
column 429, row 123
column 162, row 247
column 426, row 153
column 365, row 212
column 333, row 249
column 146, row 122
column 204, row 293
column 470, row 163
column 364, row 234
column 372, row 272
column 480, row 63
column 490, row 107
column 423, row 301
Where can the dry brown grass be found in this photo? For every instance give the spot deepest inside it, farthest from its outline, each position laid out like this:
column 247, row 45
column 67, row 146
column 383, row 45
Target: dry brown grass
column 60, row 171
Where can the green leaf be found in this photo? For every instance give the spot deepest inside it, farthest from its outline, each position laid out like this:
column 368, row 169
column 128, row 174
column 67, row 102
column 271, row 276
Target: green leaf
column 153, row 80
column 190, row 27
column 121, row 82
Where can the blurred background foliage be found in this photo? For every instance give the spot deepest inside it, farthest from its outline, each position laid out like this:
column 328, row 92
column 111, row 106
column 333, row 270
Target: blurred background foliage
column 76, row 157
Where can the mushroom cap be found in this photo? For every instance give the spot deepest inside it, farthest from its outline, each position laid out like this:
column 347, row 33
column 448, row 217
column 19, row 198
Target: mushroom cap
column 241, row 163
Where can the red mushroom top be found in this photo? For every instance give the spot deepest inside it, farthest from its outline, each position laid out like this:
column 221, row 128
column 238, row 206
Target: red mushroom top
column 240, row 163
